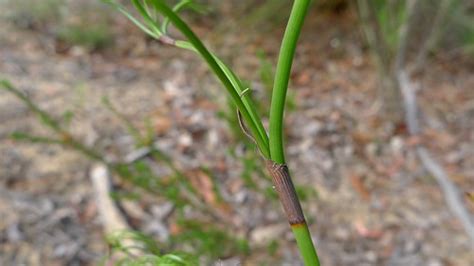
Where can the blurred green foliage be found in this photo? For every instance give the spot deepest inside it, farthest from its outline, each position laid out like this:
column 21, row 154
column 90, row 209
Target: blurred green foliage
column 202, row 241
column 77, row 23
column 437, row 26
column 459, row 27
column 151, row 253
column 92, row 37
column 207, row 239
column 32, row 14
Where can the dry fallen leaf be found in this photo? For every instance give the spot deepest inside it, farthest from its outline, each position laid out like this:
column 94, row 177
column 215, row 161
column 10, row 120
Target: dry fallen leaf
column 470, row 199
column 204, row 185
column 303, row 78
column 359, row 186
column 470, row 196
column 162, row 124
column 175, row 228
column 438, row 138
column 363, row 231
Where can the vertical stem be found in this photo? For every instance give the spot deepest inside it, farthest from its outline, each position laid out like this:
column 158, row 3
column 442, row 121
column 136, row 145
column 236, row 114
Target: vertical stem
column 277, row 168
column 291, row 205
column 305, row 244
column 282, row 77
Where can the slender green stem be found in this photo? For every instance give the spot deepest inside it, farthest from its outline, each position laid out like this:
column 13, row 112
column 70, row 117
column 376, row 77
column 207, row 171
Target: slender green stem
column 176, row 9
column 218, row 71
column 282, row 77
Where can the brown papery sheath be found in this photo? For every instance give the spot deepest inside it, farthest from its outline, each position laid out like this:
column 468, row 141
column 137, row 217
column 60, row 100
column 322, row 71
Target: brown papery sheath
column 286, row 192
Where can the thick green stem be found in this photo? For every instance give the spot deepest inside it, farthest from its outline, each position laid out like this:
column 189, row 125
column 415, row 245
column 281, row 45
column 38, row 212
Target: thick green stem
column 282, row 77
column 278, row 169
column 305, row 244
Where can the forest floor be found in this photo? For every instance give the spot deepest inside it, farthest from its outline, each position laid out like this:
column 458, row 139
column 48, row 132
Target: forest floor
column 375, row 204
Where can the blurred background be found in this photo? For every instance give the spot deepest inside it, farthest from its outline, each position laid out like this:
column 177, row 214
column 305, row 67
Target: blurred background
column 385, row 178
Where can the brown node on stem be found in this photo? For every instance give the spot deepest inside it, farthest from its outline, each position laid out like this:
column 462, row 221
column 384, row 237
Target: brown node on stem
column 286, row 192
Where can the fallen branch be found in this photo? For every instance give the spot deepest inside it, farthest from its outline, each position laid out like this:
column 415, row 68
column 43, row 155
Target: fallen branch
column 111, row 218
column 451, row 194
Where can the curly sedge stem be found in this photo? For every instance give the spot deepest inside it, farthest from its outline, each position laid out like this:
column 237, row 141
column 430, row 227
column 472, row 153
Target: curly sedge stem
column 282, row 77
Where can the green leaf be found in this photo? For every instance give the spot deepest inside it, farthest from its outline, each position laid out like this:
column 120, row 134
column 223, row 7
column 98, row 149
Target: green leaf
column 152, row 24
column 127, row 14
column 22, row 136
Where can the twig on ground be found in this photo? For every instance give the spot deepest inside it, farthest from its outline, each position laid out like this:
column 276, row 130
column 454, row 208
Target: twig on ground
column 112, row 219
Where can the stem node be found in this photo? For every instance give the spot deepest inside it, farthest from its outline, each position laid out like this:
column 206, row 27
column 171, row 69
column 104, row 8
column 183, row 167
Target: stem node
column 286, row 192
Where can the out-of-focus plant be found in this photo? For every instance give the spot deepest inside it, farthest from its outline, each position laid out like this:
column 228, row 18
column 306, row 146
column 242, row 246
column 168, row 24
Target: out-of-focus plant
column 32, row 14
column 401, row 34
column 74, row 23
column 175, row 188
column 126, row 244
column 94, row 37
column 456, row 27
column 267, row 14
column 391, row 27
column 382, row 23
column 85, row 24
column 270, row 144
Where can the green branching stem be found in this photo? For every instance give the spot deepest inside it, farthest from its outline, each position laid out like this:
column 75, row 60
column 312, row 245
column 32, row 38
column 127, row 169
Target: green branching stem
column 246, row 99
column 271, row 146
column 178, row 7
column 224, row 74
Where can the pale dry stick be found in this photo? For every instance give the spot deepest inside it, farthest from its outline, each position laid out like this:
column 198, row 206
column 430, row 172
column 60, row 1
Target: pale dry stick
column 408, row 92
column 112, row 219
column 400, row 59
column 451, row 194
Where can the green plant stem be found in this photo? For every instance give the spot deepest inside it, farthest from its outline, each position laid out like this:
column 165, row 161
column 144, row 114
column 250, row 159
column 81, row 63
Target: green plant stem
column 305, row 244
column 271, row 146
column 176, row 9
column 282, row 77
column 280, row 87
